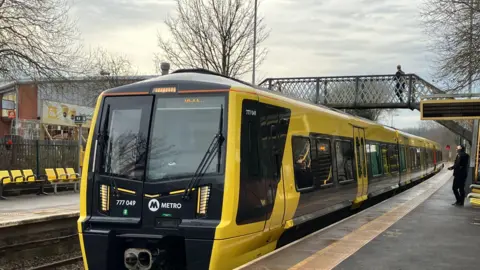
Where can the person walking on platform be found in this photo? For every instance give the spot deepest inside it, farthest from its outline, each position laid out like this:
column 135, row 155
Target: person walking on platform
column 460, row 173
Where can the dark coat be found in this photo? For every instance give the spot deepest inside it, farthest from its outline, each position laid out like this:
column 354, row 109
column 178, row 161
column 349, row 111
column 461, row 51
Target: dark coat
column 460, row 168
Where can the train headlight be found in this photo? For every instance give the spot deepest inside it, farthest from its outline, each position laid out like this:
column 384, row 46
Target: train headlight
column 202, row 200
column 105, row 197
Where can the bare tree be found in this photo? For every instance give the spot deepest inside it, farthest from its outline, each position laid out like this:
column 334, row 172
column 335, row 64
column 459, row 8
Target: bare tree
column 99, row 70
column 107, row 70
column 37, row 39
column 454, row 26
column 103, row 62
column 215, row 35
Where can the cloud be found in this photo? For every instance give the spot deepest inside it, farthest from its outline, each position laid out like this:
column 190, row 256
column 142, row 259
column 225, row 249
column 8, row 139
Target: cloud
column 308, row 37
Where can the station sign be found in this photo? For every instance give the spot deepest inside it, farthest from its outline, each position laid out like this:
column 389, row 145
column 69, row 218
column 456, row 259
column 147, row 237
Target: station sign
column 80, row 119
column 450, row 109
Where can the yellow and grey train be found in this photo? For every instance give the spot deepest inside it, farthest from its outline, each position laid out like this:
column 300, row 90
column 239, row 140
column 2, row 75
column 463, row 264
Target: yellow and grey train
column 194, row 170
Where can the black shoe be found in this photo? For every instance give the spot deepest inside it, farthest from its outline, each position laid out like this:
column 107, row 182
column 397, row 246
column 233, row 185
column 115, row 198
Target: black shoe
column 455, row 203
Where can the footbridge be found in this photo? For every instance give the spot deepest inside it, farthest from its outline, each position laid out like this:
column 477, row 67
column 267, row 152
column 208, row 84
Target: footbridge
column 366, row 92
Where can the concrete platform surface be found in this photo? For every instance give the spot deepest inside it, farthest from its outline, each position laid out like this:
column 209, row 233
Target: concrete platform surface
column 32, row 208
column 417, row 229
column 435, row 235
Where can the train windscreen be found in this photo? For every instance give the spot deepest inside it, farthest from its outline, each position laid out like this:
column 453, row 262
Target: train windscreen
column 182, row 130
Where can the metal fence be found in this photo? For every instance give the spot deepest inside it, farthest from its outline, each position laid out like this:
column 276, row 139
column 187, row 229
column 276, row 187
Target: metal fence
column 18, row 154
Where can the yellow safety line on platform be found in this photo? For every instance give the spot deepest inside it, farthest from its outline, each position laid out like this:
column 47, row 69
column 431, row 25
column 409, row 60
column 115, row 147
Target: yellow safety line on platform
column 333, row 255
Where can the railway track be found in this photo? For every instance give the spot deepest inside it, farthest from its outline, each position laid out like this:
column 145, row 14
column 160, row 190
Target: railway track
column 43, row 245
column 60, row 263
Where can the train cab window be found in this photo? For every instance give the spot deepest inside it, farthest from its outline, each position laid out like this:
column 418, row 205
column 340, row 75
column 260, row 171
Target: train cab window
column 302, row 163
column 322, row 162
column 393, row 158
column 123, row 136
column 345, row 161
column 182, row 131
column 374, row 159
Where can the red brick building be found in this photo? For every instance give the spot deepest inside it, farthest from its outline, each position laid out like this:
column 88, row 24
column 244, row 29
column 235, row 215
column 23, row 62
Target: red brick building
column 46, row 108
column 18, row 101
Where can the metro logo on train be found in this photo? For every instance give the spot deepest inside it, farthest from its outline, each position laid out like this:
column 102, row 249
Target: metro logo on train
column 231, row 185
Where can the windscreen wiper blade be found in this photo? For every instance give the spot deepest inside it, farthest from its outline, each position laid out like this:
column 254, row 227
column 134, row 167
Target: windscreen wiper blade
column 207, row 159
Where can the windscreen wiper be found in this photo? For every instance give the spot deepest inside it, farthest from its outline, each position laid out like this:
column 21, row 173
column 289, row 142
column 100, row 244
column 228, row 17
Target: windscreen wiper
column 105, row 143
column 102, row 137
column 207, row 159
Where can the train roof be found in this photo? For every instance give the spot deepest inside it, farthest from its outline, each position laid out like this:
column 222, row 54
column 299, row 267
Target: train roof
column 197, row 79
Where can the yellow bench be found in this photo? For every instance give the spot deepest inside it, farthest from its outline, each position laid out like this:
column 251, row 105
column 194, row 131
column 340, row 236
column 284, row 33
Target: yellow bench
column 5, row 178
column 474, row 199
column 475, row 188
column 17, row 177
column 53, row 176
column 62, row 176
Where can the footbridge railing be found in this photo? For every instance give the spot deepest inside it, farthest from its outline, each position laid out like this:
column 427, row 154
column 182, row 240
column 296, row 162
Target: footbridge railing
column 365, row 92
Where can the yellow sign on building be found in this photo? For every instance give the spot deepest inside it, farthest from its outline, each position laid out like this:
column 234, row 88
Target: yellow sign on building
column 63, row 114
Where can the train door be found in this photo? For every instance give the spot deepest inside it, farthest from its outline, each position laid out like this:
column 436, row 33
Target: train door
column 251, row 209
column 360, row 162
column 403, row 159
column 263, row 135
column 477, row 159
column 274, row 122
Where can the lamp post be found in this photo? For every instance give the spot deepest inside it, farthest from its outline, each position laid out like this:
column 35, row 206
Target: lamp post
column 254, row 42
column 470, row 71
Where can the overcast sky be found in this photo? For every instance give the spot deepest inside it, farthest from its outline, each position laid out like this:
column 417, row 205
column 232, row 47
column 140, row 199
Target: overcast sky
column 307, row 37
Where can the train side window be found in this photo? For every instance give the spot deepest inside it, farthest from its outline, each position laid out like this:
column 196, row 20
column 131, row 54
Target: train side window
column 302, row 163
column 418, row 158
column 427, row 157
column 386, row 165
column 345, row 161
column 393, row 158
column 369, row 164
column 375, row 159
column 403, row 166
column 413, row 157
column 322, row 162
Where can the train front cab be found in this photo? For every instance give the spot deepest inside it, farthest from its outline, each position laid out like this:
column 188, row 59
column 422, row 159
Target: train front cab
column 144, row 198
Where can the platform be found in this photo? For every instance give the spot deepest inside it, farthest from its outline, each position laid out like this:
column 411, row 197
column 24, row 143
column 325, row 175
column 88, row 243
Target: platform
column 417, row 229
column 33, row 208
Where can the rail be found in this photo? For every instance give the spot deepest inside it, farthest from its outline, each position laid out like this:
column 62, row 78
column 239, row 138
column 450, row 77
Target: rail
column 59, row 263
